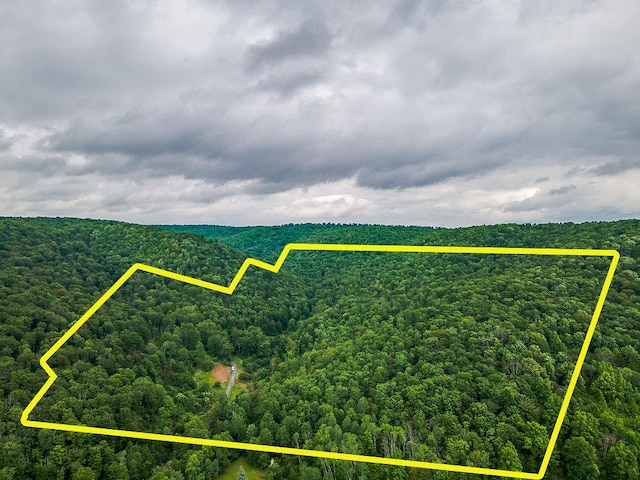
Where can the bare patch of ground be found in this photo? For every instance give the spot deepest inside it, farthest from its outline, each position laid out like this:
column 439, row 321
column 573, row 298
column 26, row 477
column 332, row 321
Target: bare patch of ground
column 221, row 373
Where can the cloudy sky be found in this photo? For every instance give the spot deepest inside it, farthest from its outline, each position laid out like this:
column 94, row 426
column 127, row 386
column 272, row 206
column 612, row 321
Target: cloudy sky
column 264, row 112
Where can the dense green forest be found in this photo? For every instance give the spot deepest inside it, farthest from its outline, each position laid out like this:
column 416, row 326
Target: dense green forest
column 446, row 358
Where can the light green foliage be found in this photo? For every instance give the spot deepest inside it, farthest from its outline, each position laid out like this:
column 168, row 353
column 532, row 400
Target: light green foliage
column 84, row 473
column 621, row 462
column 509, row 459
column 535, row 438
column 7, row 473
column 193, row 469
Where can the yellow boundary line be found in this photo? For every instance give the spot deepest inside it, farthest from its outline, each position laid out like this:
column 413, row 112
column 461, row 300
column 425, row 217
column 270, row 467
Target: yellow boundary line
column 615, row 256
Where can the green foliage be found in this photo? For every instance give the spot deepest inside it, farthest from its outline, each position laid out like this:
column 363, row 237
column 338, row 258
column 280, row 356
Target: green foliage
column 446, row 358
column 84, row 473
column 580, row 459
column 509, row 459
column 621, row 462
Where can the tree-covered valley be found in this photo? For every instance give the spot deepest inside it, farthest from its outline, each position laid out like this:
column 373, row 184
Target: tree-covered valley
column 446, row 358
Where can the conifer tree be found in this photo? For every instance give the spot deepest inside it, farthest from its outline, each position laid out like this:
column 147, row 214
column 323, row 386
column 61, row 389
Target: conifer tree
column 241, row 474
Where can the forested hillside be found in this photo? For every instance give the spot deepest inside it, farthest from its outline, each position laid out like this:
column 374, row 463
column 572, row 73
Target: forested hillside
column 459, row 359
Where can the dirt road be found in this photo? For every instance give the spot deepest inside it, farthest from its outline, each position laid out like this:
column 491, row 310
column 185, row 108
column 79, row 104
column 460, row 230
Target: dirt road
column 232, row 379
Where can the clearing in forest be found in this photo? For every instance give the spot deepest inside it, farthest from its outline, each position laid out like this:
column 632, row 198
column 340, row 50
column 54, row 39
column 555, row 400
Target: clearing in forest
column 221, row 373
column 231, row 472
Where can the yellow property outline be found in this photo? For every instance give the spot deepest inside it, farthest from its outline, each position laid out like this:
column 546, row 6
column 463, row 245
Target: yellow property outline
column 275, row 268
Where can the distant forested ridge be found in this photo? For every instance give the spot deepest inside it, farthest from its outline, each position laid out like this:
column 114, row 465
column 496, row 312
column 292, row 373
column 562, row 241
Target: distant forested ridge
column 460, row 359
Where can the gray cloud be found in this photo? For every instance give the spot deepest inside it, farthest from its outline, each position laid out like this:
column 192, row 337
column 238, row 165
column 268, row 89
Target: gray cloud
column 5, row 141
column 311, row 39
column 42, row 165
column 562, row 190
column 289, row 83
column 238, row 101
column 534, row 204
column 616, row 167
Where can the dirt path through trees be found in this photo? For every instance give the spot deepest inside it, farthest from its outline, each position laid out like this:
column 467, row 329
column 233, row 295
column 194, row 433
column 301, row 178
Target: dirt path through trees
column 234, row 372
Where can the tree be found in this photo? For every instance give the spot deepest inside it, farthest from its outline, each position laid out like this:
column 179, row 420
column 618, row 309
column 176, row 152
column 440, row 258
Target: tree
column 116, row 471
column 310, row 473
column 84, row 473
column 621, row 462
column 7, row 473
column 580, row 459
column 241, row 475
column 509, row 459
column 59, row 457
column 193, row 469
column 536, row 439
column 585, row 424
column 457, row 451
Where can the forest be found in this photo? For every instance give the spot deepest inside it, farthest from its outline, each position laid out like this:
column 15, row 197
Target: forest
column 446, row 358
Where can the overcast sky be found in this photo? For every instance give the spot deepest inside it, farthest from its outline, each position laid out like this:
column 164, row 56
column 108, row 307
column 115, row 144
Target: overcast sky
column 264, row 112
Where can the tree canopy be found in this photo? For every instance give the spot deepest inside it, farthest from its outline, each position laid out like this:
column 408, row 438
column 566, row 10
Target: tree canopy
column 446, row 358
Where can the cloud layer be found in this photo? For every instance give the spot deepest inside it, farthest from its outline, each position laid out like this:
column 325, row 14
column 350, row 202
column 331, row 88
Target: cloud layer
column 438, row 113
